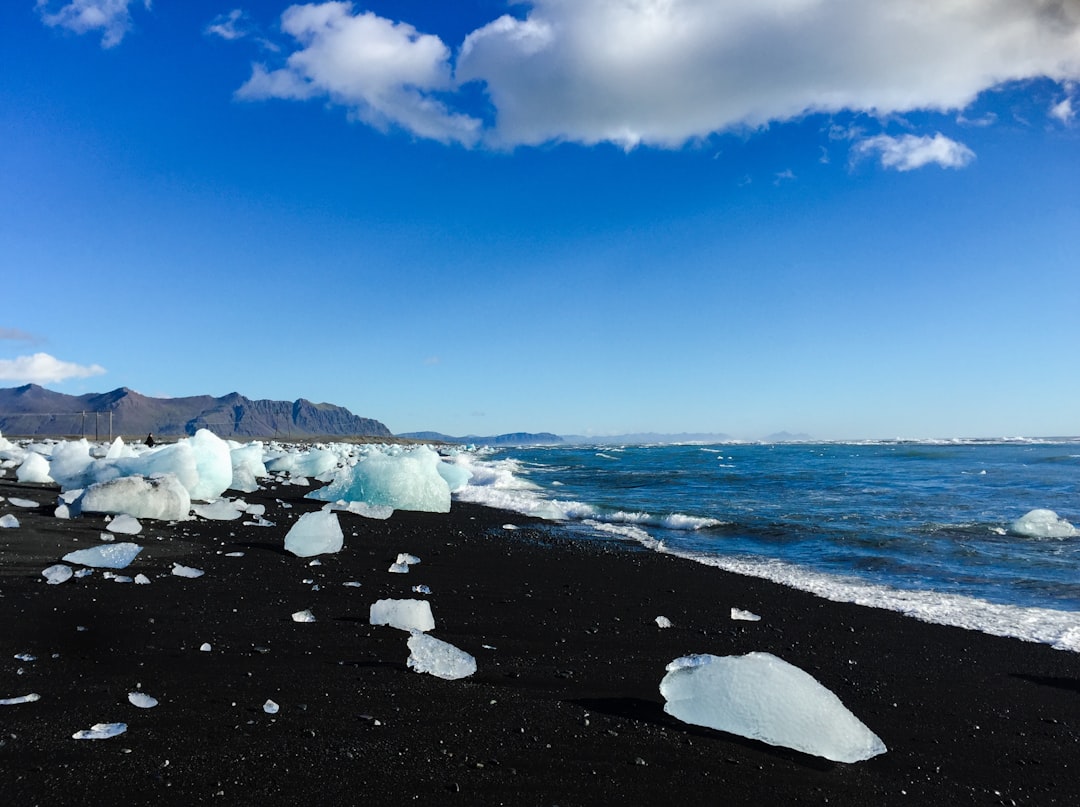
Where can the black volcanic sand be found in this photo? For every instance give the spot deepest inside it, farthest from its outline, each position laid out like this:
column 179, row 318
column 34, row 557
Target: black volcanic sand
column 564, row 708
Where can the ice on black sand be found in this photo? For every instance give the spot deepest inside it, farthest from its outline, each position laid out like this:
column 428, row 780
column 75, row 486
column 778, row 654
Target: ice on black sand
column 142, row 700
column 439, row 658
column 100, row 731
column 410, row 615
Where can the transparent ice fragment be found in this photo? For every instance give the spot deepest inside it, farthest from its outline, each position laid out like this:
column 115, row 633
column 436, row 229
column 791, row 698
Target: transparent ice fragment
column 124, row 524
column 410, row 615
column 57, row 573
column 270, row 707
column 303, row 616
column 439, row 658
column 315, row 534
column 106, row 556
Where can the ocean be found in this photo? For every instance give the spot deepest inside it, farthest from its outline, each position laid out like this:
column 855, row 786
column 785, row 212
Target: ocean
column 932, row 529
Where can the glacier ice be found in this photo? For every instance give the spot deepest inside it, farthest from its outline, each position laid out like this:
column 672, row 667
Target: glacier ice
column 270, row 707
column 410, row 615
column 142, row 700
column 407, row 559
column 106, row 556
column 57, row 573
column 403, row 480
column 663, row 622
column 764, row 698
column 213, row 465
column 315, row 533
column 125, row 525
column 100, row 731
column 248, row 467
column 8, row 521
column 33, row 696
column 220, row 510
column 162, row 497
column 34, row 468
column 456, row 476
column 1042, row 523
column 303, row 616
column 745, row 616
column 399, row 568
column 142, row 580
column 439, row 658
column 186, row 571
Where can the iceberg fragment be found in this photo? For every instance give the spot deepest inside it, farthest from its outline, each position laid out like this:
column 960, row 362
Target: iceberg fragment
column 403, row 480
column 106, row 556
column 1042, row 523
column 33, row 696
column 303, row 616
column 315, row 534
column 270, row 707
column 744, row 616
column 663, row 622
column 162, row 497
column 220, row 510
column 186, row 571
column 57, row 573
column 124, row 524
column 441, row 659
column 142, row 700
column 8, row 521
column 764, row 698
column 34, row 468
column 100, row 731
column 410, row 615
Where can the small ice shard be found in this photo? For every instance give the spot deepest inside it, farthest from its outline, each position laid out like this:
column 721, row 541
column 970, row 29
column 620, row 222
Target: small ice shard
column 399, row 568
column 764, row 698
column 117, row 578
column 142, row 700
column 23, row 502
column 220, row 510
column 8, row 521
column 57, row 573
column 410, row 615
column 315, row 534
column 186, row 571
column 142, row 580
column 34, row 468
column 33, row 696
column 106, row 537
column 745, row 616
column 303, row 616
column 62, row 511
column 407, row 559
column 234, row 554
column 205, row 647
column 26, row 657
column 438, row 658
column 1043, row 524
column 84, row 573
column 124, row 524
column 663, row 622
column 100, row 731
column 351, row 584
column 106, row 556
column 509, row 526
column 421, row 589
column 270, row 707
column 378, row 512
column 315, row 562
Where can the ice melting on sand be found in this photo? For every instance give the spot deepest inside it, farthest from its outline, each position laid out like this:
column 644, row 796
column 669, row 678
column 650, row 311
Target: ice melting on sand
column 315, row 534
column 438, row 658
column 8, row 521
column 34, row 468
column 162, row 497
column 142, row 700
column 401, row 479
column 100, row 731
column 271, row 708
column 57, row 573
column 745, row 616
column 106, row 556
column 764, row 698
column 410, row 615
column 33, row 696
column 124, row 524
column 1043, row 524
column 186, row 571
column 303, row 616
column 663, row 622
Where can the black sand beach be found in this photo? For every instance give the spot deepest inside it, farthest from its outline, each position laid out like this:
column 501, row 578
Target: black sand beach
column 564, row 708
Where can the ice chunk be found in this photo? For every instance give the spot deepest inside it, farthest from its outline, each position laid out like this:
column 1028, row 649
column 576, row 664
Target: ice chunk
column 399, row 568
column 248, row 467
column 163, row 498
column 411, row 615
column 379, row 512
column 456, row 476
column 745, row 616
column 406, row 480
column 764, row 698
column 142, row 700
column 8, row 521
column 438, row 658
column 142, row 580
column 213, row 465
column 33, row 696
column 1043, row 524
column 34, row 468
column 106, row 556
column 220, row 510
column 663, row 622
column 205, row 647
column 270, row 707
column 26, row 503
column 421, row 589
column 186, row 571
column 303, row 616
column 100, row 731
column 407, row 559
column 314, row 534
column 124, row 524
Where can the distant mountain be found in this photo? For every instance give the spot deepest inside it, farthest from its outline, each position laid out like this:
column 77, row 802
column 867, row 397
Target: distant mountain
column 787, row 437
column 34, row 410
column 641, row 438
column 514, row 439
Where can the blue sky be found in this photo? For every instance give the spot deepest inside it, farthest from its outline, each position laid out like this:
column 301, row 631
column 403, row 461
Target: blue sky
column 591, row 217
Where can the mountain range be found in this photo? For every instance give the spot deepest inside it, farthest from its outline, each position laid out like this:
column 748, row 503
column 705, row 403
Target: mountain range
column 32, row 410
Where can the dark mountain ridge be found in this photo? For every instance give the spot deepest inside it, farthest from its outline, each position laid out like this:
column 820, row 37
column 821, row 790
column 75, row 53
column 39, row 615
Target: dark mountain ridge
column 32, row 410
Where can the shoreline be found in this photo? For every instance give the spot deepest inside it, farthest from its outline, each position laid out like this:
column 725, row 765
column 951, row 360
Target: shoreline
column 564, row 707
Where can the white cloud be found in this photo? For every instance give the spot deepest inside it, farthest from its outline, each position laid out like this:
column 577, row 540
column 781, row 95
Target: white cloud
column 385, row 73
column 41, row 368
column 112, row 17
column 667, row 71
column 1063, row 111
column 229, row 26
column 908, row 152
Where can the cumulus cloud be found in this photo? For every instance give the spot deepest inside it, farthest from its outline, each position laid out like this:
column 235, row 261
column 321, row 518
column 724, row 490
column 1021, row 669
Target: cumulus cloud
column 908, row 152
column 1063, row 111
column 229, row 26
column 41, row 368
column 111, row 17
column 386, row 73
column 663, row 72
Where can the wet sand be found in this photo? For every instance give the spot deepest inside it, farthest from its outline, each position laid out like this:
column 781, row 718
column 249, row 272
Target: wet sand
column 564, row 708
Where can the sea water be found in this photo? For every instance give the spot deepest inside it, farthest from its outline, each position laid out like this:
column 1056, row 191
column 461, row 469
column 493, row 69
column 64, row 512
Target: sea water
column 920, row 527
